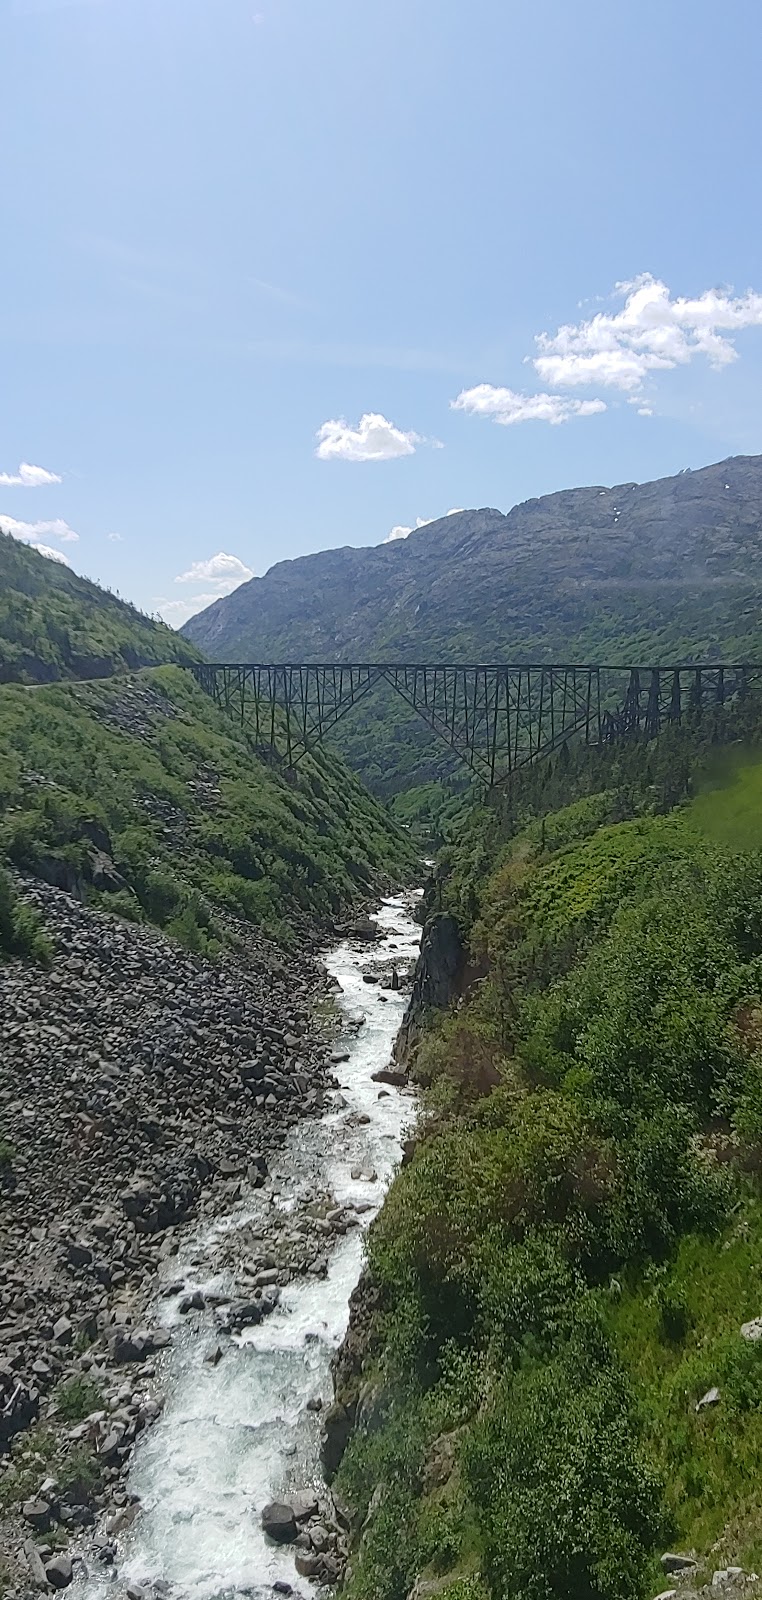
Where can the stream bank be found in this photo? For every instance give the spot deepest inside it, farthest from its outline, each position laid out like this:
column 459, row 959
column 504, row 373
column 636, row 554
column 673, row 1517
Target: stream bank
column 254, row 1305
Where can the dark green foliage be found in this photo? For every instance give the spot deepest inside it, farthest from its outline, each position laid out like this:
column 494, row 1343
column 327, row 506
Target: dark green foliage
column 147, row 771
column 20, row 931
column 560, row 1275
column 77, row 1399
column 54, row 624
column 567, row 1503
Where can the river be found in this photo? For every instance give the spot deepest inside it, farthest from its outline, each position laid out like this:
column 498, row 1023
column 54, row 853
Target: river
column 236, row 1435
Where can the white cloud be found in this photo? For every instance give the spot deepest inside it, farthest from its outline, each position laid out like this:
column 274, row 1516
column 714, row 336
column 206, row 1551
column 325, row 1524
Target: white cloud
column 374, row 439
column 651, row 333
column 645, row 411
column 401, row 532
column 33, row 532
column 115, row 538
column 176, row 612
column 220, row 573
column 28, row 477
column 506, row 406
column 52, row 555
column 224, row 571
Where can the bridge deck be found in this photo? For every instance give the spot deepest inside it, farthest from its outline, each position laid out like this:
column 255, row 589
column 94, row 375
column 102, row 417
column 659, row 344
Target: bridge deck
column 496, row 716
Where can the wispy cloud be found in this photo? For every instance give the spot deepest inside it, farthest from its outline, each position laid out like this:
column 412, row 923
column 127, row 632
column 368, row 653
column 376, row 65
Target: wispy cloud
column 28, row 477
column 51, row 554
column 226, row 572
column 507, row 407
column 401, row 531
column 33, row 532
column 652, row 332
column 214, row 577
column 176, row 612
column 275, row 291
column 374, row 439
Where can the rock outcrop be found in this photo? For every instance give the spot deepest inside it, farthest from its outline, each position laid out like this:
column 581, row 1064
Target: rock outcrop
column 436, row 981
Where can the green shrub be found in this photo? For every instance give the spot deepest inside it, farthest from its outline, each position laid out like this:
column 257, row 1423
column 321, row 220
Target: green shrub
column 77, row 1399
column 20, row 929
column 566, row 1502
column 195, row 928
column 674, row 1313
column 741, row 1375
column 80, row 1471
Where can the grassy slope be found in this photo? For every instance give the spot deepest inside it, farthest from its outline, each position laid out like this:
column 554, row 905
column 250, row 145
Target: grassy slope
column 565, row 1265
column 54, row 624
column 709, row 1460
column 149, row 770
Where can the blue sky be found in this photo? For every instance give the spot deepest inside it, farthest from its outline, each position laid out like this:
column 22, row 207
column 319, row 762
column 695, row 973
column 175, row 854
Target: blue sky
column 234, row 229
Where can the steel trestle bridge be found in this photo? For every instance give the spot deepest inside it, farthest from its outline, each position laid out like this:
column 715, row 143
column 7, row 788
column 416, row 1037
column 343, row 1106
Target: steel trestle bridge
column 497, row 717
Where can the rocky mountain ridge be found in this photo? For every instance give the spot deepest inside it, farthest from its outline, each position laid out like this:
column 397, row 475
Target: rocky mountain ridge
column 583, row 570
column 663, row 571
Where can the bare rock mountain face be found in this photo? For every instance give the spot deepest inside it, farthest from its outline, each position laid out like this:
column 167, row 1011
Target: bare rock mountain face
column 663, row 571
column 575, row 571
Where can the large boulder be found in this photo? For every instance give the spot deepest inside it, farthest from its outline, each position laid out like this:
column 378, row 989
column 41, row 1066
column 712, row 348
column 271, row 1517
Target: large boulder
column 364, row 928
column 60, row 1571
column 338, row 1423
column 279, row 1522
column 393, row 1075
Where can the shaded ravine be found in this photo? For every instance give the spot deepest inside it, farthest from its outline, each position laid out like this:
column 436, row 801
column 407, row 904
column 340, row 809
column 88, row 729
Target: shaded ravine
column 238, row 1434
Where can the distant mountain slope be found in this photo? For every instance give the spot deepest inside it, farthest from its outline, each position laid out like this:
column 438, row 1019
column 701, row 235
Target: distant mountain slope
column 54, row 624
column 656, row 569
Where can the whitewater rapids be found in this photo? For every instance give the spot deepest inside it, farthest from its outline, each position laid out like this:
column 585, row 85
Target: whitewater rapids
column 234, row 1436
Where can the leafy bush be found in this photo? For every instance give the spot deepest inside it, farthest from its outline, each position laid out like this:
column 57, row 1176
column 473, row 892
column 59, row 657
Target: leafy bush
column 568, row 1505
column 590, row 1144
column 674, row 1313
column 77, row 1399
column 20, row 929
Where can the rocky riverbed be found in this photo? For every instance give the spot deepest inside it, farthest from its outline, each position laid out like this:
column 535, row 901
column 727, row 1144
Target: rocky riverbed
column 172, row 1182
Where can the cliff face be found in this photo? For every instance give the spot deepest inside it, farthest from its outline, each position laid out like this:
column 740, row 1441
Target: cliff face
column 584, row 571
column 436, row 981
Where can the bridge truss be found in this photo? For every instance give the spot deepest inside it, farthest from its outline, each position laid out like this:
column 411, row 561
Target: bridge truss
column 497, row 718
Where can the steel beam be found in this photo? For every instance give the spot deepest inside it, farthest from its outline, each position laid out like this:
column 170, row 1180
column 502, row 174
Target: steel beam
column 496, row 717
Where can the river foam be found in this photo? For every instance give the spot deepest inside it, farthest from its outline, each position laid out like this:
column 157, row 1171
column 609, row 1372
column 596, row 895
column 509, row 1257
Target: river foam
column 236, row 1435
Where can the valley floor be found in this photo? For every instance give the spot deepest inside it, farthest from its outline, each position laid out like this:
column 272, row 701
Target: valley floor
column 141, row 1086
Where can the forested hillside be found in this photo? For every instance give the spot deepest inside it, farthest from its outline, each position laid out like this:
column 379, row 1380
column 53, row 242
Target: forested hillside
column 555, row 1364
column 139, row 793
column 54, row 624
column 663, row 571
